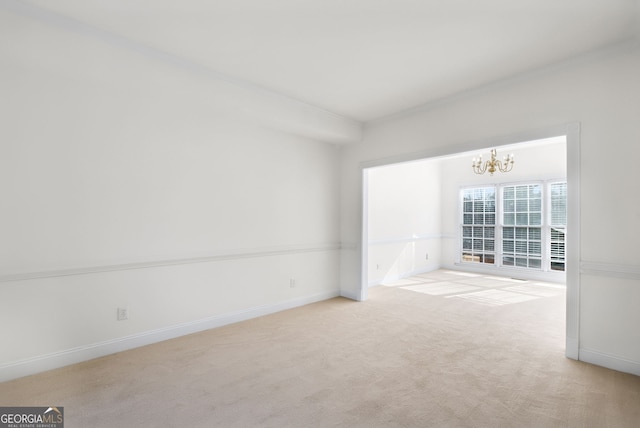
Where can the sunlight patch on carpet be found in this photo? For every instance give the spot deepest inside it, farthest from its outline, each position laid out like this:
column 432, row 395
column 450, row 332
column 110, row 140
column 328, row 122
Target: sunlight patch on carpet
column 468, row 274
column 484, row 282
column 506, row 279
column 401, row 282
column 495, row 297
column 536, row 290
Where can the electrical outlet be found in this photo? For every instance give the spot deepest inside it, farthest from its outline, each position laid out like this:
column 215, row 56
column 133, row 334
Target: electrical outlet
column 123, row 314
column 426, row 257
column 292, row 283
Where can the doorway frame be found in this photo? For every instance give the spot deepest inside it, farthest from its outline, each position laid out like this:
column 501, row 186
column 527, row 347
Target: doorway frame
column 571, row 131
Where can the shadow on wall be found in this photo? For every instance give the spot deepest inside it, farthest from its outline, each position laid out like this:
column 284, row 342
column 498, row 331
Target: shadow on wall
column 391, row 261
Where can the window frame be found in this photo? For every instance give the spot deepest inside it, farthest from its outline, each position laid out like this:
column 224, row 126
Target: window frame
column 484, row 253
column 546, row 261
column 527, row 255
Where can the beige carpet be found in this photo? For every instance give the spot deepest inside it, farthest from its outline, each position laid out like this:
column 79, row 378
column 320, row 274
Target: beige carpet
column 414, row 355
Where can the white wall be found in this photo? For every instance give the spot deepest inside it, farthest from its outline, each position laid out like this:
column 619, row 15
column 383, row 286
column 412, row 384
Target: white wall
column 124, row 183
column 403, row 220
column 600, row 92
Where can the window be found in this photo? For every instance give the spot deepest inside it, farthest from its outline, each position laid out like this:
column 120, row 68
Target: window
column 558, row 223
column 526, row 235
column 478, row 225
column 522, row 230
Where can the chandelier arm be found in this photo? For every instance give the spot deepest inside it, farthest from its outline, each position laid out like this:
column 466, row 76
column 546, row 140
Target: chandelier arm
column 481, row 169
column 508, row 166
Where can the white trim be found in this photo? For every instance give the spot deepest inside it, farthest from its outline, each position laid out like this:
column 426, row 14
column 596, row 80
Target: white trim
column 215, row 257
column 609, row 361
column 363, row 289
column 572, row 249
column 55, row 360
column 572, row 350
column 610, row 270
column 349, row 295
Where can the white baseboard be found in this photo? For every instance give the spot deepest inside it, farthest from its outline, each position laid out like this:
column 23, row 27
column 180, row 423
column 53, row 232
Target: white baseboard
column 56, row 360
column 349, row 295
column 572, row 350
column 610, row 361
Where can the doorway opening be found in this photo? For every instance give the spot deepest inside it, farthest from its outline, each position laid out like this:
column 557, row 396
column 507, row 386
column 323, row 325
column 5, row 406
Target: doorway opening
column 412, row 217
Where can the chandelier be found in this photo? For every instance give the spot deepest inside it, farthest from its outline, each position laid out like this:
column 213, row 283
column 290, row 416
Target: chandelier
column 493, row 165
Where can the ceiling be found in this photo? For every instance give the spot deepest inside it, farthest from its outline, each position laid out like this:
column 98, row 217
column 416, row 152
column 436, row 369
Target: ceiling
column 362, row 59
